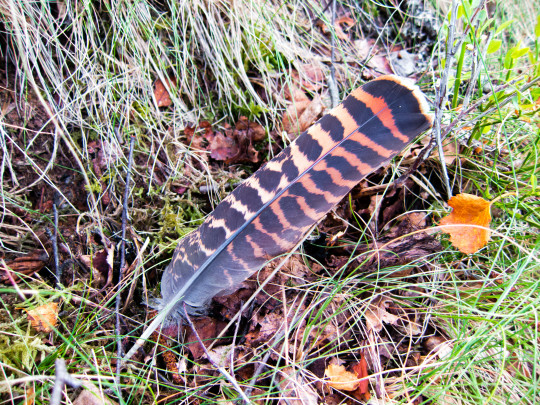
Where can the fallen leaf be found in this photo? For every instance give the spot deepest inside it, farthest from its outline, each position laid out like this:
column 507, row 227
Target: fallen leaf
column 376, row 314
column 255, row 131
column 292, row 92
column 44, row 317
column 516, row 367
column 30, row 397
column 311, row 77
column 163, row 98
column 467, row 210
column 208, row 329
column 267, row 327
column 101, row 265
column 294, row 390
column 92, row 395
column 439, row 346
column 291, row 117
column 341, row 25
column 403, row 63
column 27, row 265
column 311, row 113
column 300, row 116
column 340, row 378
column 362, row 392
column 416, row 219
column 223, row 147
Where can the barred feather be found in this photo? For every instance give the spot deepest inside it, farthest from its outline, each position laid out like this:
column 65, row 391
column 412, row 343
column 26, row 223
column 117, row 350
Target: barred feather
column 271, row 211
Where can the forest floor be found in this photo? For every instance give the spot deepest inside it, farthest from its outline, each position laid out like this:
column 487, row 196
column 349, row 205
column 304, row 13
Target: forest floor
column 378, row 305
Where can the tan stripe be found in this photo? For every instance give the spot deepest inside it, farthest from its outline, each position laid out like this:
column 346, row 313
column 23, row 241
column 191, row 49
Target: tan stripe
column 257, row 251
column 322, row 137
column 280, row 242
column 364, row 140
column 335, row 174
column 238, row 206
column 363, row 168
column 313, row 188
column 312, row 214
column 378, row 106
column 345, row 118
column 299, row 159
column 220, row 223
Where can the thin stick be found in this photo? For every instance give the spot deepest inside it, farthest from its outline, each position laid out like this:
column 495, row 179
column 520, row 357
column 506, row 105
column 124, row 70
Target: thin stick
column 332, row 82
column 223, row 372
column 442, row 94
column 122, row 263
column 57, row 270
column 62, row 378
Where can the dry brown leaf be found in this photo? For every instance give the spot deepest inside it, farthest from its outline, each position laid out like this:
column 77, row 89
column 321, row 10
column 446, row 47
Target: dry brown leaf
column 451, row 153
column 30, row 398
column 467, row 210
column 208, row 329
column 101, row 265
column 312, row 78
column 27, row 265
column 163, row 98
column 376, row 314
column 292, row 115
column 294, row 390
column 311, row 113
column 44, row 317
column 341, row 25
column 92, row 395
column 439, row 346
column 255, row 131
column 292, row 92
column 223, row 147
column 340, row 378
column 301, row 115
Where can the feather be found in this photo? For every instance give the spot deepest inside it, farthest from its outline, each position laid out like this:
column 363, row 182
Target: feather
column 270, row 212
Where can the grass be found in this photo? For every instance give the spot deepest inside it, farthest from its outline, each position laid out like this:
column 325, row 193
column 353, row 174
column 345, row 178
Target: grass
column 77, row 83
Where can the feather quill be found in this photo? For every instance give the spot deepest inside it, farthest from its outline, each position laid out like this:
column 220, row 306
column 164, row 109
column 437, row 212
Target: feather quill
column 270, row 212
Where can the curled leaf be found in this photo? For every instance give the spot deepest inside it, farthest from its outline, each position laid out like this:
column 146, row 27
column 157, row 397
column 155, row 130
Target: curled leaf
column 467, row 210
column 362, row 392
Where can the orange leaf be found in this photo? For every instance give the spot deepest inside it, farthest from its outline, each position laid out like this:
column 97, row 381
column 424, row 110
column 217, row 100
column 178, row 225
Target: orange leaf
column 340, row 378
column 467, row 210
column 362, row 393
column 161, row 94
column 43, row 318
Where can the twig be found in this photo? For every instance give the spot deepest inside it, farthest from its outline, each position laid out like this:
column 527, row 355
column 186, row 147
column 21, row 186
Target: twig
column 62, row 378
column 57, row 269
column 122, row 263
column 262, row 364
column 233, row 345
column 442, row 94
column 451, row 126
column 223, row 372
column 277, row 337
column 332, row 80
column 9, row 276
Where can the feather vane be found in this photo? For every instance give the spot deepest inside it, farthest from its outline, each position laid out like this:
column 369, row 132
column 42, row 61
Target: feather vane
column 270, row 212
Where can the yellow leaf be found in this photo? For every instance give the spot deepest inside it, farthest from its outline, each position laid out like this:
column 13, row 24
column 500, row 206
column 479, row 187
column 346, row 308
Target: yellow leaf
column 467, row 210
column 340, row 378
